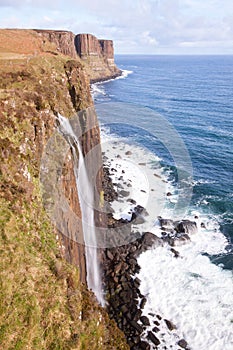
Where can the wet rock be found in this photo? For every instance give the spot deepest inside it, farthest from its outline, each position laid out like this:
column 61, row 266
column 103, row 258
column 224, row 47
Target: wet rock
column 186, row 226
column 149, row 240
column 143, row 303
column 175, row 252
column 124, row 193
column 145, row 320
column 131, row 201
column 135, row 325
column 183, row 344
column 156, row 329
column 137, row 315
column 170, row 325
column 168, row 223
column 140, row 210
column 153, row 338
column 142, row 345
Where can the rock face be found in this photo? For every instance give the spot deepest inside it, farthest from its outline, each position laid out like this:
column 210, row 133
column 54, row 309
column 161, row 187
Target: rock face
column 99, row 54
column 96, row 55
column 38, row 83
column 63, row 40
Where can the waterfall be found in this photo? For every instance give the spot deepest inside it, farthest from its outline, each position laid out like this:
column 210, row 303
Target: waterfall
column 86, row 200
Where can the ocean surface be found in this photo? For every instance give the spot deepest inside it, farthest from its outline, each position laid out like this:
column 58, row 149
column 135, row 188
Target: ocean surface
column 181, row 107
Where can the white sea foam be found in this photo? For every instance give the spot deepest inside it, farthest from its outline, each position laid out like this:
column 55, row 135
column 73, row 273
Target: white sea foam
column 190, row 291
column 138, row 172
column 97, row 89
column 124, row 74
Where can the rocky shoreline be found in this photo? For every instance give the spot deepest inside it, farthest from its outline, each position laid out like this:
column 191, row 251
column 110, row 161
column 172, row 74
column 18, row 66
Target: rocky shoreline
column 125, row 303
column 110, row 77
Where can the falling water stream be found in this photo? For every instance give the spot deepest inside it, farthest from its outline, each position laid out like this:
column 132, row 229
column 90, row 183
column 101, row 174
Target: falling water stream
column 86, row 199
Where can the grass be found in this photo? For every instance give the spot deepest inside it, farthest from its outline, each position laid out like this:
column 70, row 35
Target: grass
column 43, row 306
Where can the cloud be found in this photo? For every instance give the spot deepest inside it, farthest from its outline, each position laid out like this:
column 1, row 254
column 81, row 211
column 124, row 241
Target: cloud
column 138, row 25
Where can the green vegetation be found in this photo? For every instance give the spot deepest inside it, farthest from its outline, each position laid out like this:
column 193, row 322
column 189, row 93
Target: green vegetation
column 42, row 303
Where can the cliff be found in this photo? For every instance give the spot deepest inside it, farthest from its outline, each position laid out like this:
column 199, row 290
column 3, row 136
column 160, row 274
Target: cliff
column 43, row 303
column 96, row 55
column 99, row 54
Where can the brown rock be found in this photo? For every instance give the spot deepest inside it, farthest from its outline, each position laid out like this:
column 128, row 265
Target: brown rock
column 145, row 320
column 170, row 325
column 182, row 343
column 153, row 338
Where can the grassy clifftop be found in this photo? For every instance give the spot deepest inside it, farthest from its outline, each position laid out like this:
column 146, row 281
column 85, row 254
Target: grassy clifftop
column 42, row 303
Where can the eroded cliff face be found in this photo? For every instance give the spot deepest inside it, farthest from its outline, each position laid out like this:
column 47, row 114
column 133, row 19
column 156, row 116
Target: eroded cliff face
column 63, row 40
column 96, row 55
column 99, row 54
column 40, row 291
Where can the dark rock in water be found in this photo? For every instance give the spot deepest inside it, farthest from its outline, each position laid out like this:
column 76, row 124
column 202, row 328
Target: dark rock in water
column 145, row 320
column 137, row 281
column 143, row 303
column 137, row 219
column 137, row 315
column 124, row 193
column 166, row 223
column 175, row 252
column 156, row 329
column 118, row 156
column 186, row 226
column 156, row 323
column 143, row 191
column 170, row 325
column 182, row 343
column 169, row 194
column 143, row 346
column 203, row 225
column 119, row 186
column 128, row 153
column 153, row 338
column 131, row 201
column 159, row 317
column 140, row 210
column 135, row 325
column 149, row 240
column 176, row 240
column 123, row 172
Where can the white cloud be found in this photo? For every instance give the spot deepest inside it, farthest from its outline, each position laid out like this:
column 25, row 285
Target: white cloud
column 134, row 25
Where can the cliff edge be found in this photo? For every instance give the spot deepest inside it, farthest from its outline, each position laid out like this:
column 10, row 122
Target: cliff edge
column 96, row 55
column 44, row 305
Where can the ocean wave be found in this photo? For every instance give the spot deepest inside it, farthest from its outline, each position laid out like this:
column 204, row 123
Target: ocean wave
column 97, row 90
column 124, row 74
column 191, row 292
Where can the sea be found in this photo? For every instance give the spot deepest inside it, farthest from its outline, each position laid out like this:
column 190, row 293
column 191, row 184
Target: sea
column 179, row 109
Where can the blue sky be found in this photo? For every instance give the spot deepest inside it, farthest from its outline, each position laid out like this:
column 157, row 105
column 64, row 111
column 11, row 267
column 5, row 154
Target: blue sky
column 136, row 26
